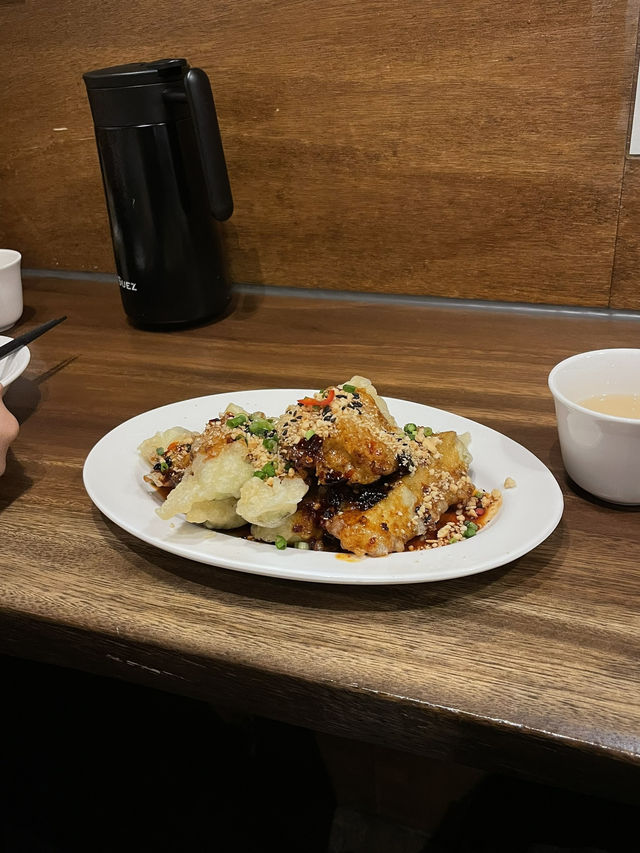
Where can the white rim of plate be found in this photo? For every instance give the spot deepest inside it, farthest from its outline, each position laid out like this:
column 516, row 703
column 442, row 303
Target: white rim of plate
column 258, row 558
column 13, row 365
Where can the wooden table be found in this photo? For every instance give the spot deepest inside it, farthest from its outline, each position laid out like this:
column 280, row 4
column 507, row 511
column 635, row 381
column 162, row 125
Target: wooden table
column 531, row 668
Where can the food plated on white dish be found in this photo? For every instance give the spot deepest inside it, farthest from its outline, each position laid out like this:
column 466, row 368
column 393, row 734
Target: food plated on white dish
column 336, row 485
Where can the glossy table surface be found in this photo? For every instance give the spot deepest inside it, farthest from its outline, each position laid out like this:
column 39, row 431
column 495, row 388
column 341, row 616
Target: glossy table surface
column 529, row 668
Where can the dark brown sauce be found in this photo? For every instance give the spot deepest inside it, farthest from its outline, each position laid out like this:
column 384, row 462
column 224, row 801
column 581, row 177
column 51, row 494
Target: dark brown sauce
column 369, row 495
column 243, row 532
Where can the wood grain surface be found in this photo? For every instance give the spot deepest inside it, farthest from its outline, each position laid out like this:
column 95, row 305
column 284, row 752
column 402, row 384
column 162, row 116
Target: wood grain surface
column 530, row 668
column 467, row 148
column 625, row 286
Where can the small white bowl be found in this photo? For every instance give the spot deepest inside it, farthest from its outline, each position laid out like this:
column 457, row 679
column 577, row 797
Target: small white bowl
column 12, row 365
column 600, row 452
column 11, row 304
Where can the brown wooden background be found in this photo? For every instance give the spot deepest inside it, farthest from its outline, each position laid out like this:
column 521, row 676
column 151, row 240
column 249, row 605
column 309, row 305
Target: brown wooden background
column 466, row 148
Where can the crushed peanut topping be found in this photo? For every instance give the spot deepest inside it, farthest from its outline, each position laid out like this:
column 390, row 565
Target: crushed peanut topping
column 461, row 522
column 367, row 485
column 355, row 409
column 258, row 434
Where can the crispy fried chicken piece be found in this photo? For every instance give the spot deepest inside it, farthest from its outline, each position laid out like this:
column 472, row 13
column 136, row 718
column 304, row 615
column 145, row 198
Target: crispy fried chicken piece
column 384, row 528
column 414, row 501
column 347, row 439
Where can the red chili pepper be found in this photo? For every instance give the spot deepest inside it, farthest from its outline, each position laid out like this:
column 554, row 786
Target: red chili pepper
column 311, row 401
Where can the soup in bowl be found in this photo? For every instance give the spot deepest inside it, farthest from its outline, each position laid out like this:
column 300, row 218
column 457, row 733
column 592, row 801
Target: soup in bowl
column 597, row 402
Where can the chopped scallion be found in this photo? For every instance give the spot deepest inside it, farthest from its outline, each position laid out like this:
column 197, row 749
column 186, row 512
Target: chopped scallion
column 237, row 420
column 260, row 426
column 309, row 433
column 267, row 470
column 350, row 389
column 280, row 543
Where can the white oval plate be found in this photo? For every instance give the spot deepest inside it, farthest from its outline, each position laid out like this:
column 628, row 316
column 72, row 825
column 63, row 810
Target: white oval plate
column 113, row 477
column 14, row 364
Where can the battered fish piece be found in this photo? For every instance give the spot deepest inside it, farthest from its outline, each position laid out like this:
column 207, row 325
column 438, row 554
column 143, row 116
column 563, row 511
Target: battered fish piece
column 342, row 435
column 172, row 460
column 218, row 471
column 415, row 501
column 227, row 475
column 303, row 526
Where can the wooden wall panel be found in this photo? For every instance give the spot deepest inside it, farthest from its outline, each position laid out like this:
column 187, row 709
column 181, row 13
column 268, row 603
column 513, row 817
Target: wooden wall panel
column 446, row 147
column 625, row 288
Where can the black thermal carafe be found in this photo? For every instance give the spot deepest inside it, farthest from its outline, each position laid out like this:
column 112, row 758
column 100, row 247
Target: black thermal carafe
column 165, row 181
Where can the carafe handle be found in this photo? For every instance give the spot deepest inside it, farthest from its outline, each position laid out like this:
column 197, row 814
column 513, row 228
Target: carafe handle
column 205, row 121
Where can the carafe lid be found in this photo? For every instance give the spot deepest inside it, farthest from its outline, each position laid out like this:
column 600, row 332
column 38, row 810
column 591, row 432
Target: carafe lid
column 136, row 74
column 140, row 93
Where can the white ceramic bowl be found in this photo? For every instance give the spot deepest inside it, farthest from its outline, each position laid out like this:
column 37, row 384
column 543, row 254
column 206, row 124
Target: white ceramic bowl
column 11, row 304
column 600, row 452
column 12, row 365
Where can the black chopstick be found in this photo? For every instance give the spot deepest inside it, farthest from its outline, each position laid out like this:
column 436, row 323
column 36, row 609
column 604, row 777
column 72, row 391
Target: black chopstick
column 22, row 340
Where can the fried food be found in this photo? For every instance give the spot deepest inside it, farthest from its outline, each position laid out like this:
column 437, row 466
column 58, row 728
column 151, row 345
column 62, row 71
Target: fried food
column 234, row 474
column 211, row 476
column 333, row 472
column 301, row 526
column 414, row 501
column 342, row 434
column 169, row 454
column 217, row 514
column 267, row 502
